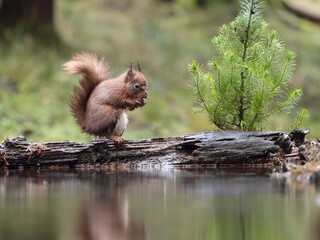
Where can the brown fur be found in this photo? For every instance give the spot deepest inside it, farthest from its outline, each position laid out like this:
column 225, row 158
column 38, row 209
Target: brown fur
column 99, row 103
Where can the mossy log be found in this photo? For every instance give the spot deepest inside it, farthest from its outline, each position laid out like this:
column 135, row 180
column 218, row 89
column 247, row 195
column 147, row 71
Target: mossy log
column 213, row 147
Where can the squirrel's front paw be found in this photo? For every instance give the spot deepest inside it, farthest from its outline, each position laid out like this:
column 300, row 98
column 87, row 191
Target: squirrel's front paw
column 144, row 101
column 138, row 103
column 141, row 103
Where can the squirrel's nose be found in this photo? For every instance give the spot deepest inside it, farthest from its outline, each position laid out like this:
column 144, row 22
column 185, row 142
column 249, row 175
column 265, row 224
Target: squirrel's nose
column 145, row 94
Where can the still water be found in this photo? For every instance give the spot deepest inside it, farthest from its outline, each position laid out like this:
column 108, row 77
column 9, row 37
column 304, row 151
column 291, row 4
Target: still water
column 155, row 204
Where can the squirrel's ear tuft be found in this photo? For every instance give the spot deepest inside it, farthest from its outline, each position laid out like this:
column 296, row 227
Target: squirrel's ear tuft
column 129, row 73
column 139, row 68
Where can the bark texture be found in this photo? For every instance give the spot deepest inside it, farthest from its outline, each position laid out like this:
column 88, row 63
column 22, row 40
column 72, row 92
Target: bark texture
column 34, row 14
column 214, row 147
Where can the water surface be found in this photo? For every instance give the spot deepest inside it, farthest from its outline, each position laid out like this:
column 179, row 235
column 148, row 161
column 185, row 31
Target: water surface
column 155, row 204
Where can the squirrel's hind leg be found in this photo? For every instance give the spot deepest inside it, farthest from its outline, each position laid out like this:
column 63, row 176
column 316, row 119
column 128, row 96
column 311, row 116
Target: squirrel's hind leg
column 119, row 129
column 118, row 140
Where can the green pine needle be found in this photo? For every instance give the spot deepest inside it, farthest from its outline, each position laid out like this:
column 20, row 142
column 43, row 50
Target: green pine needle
column 302, row 116
column 249, row 75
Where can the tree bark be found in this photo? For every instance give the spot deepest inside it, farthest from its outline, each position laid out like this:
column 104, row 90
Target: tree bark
column 35, row 15
column 214, row 147
column 202, row 3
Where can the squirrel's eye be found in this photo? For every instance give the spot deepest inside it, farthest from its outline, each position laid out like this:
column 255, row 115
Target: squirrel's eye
column 136, row 86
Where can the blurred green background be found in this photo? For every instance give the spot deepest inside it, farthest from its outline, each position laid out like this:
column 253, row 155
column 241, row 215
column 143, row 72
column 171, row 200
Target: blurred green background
column 164, row 35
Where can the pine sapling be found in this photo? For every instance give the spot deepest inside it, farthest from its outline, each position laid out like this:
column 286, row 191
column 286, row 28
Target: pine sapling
column 249, row 77
column 302, row 115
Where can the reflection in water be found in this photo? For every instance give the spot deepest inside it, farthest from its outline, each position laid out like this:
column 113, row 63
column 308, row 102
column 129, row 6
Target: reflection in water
column 108, row 217
column 164, row 204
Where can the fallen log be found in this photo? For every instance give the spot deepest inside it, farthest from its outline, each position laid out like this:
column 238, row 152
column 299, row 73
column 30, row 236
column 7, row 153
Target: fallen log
column 213, row 147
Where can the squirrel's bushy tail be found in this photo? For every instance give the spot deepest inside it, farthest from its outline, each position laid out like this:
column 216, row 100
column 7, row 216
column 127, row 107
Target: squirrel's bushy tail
column 94, row 71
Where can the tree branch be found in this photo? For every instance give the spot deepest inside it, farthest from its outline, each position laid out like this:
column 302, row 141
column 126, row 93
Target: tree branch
column 302, row 12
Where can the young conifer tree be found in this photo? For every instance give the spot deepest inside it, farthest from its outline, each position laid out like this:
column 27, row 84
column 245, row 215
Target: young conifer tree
column 249, row 77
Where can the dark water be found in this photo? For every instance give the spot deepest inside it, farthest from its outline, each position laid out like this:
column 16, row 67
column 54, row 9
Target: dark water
column 158, row 204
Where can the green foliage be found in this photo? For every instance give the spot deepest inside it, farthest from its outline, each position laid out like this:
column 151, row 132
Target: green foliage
column 34, row 92
column 250, row 74
column 302, row 115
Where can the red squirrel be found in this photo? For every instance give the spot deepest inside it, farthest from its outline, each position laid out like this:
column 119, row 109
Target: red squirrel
column 100, row 102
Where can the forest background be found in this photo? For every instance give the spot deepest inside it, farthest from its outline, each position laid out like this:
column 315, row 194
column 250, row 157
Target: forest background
column 164, row 36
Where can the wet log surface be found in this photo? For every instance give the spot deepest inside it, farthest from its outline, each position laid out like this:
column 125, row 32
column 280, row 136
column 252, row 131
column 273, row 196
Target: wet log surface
column 214, row 147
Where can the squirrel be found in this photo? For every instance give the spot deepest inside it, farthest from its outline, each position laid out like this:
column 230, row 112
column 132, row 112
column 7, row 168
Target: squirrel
column 100, row 102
